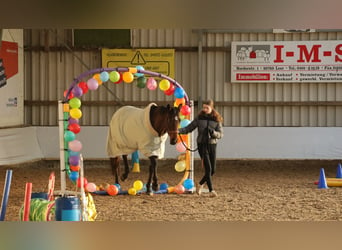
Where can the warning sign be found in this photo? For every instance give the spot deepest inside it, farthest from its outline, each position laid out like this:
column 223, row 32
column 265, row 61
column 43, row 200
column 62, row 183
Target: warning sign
column 156, row 60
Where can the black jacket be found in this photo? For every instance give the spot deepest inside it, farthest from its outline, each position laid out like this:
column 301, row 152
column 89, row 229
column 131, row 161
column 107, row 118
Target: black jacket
column 209, row 130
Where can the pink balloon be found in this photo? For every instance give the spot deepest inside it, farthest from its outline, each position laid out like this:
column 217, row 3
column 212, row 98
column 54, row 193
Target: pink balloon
column 179, row 189
column 180, row 147
column 92, row 84
column 75, row 145
column 151, row 83
column 91, row 187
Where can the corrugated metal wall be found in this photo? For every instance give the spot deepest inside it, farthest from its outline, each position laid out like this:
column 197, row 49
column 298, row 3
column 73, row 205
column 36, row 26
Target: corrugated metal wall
column 270, row 104
column 50, row 68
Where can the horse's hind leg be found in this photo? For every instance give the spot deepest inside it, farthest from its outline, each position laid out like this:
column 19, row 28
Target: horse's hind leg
column 115, row 167
column 125, row 174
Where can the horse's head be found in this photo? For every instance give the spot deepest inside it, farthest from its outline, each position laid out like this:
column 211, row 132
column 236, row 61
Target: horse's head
column 172, row 123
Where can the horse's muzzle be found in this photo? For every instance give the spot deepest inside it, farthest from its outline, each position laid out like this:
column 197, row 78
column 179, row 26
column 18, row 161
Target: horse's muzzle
column 173, row 141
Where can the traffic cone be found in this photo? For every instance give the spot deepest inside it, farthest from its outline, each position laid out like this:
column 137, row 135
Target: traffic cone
column 136, row 168
column 135, row 161
column 339, row 171
column 322, row 182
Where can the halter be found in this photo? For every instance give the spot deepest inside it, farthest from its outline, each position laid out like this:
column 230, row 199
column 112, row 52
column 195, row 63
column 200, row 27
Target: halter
column 171, row 131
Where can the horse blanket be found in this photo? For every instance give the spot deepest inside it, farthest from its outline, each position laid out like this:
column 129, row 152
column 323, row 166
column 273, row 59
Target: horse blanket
column 130, row 129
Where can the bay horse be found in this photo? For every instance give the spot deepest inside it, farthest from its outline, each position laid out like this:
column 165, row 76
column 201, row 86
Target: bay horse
column 145, row 130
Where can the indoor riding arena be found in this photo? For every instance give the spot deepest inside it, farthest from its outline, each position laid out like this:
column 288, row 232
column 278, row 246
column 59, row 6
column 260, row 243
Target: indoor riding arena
column 278, row 91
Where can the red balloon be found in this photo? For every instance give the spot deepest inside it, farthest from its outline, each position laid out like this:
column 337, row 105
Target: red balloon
column 120, row 80
column 170, row 90
column 85, row 182
column 83, row 86
column 71, row 95
column 185, row 110
column 75, row 127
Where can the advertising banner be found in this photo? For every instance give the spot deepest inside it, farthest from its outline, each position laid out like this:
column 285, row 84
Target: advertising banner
column 11, row 78
column 286, row 61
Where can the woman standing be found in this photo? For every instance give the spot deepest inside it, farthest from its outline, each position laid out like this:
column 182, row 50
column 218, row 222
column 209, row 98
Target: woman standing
column 209, row 126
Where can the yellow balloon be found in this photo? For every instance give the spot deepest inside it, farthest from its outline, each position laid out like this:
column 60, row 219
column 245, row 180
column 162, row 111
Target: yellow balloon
column 180, row 166
column 127, row 77
column 164, row 84
column 132, row 191
column 138, row 185
column 75, row 113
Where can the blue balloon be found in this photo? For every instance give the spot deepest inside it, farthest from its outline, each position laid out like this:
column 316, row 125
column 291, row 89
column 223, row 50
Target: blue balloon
column 179, row 92
column 73, row 153
column 163, row 186
column 188, row 183
column 73, row 175
column 184, row 123
column 104, row 76
column 139, row 68
column 118, row 186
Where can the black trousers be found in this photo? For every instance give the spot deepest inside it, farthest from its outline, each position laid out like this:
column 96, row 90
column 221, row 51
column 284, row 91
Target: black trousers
column 207, row 153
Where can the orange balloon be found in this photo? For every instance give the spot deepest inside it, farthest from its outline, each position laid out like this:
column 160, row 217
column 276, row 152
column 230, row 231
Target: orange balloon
column 127, row 77
column 98, row 78
column 112, row 190
column 179, row 101
column 183, row 138
column 132, row 70
column 75, row 168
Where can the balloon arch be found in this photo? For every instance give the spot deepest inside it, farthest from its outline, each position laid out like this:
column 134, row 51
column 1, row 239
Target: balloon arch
column 71, row 160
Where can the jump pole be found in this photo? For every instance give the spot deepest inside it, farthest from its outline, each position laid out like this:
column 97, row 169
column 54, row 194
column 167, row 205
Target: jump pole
column 192, row 143
column 61, row 145
column 5, row 195
column 189, row 155
column 27, row 201
column 83, row 196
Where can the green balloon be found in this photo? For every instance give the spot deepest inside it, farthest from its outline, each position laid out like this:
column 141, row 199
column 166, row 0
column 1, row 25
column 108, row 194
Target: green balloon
column 75, row 103
column 114, row 76
column 141, row 82
column 69, row 136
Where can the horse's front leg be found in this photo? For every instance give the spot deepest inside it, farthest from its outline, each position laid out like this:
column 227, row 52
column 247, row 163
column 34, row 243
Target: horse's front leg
column 125, row 174
column 152, row 174
column 114, row 162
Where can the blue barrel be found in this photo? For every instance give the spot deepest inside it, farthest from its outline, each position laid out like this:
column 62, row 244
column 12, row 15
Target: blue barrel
column 68, row 209
column 41, row 195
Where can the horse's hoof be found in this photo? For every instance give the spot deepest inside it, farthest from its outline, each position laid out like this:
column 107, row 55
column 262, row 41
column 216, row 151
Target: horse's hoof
column 123, row 178
column 150, row 194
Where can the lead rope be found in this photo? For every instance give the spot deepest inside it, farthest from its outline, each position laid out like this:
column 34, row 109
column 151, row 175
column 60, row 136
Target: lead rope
column 186, row 147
